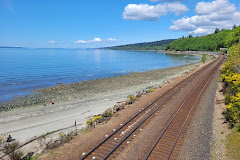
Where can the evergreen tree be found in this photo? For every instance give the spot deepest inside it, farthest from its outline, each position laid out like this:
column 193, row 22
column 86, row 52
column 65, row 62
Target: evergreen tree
column 234, row 26
column 217, row 30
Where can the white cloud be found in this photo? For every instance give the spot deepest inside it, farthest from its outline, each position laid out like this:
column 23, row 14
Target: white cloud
column 111, row 40
column 209, row 16
column 182, row 24
column 52, row 42
column 142, row 12
column 95, row 40
column 90, row 41
column 80, row 41
column 167, row 0
column 200, row 31
column 152, row 12
column 218, row 6
column 177, row 8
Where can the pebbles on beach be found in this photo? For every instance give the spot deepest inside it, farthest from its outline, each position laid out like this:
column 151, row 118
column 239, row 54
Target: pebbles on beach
column 93, row 88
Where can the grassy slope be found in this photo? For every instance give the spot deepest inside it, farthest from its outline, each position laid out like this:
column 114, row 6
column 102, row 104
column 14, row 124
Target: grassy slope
column 233, row 144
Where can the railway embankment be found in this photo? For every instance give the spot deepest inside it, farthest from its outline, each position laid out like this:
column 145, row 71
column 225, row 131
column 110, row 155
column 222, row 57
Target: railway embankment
column 95, row 136
column 226, row 142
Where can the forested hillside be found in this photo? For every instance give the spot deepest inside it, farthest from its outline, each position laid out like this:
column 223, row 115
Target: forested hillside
column 157, row 45
column 211, row 42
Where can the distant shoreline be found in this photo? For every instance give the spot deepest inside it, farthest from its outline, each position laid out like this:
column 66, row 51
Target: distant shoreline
column 131, row 50
column 167, row 52
column 190, row 52
column 10, row 47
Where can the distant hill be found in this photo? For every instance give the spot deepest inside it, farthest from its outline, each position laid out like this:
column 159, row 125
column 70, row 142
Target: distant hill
column 9, row 47
column 211, row 42
column 156, row 45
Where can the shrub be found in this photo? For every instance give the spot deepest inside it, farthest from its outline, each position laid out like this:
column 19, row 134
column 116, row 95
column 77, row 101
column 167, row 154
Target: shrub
column 231, row 80
column 1, row 140
column 238, row 127
column 109, row 113
column 232, row 114
column 131, row 97
column 33, row 158
column 89, row 122
column 233, row 102
column 68, row 136
column 10, row 149
column 204, row 57
column 227, row 99
column 96, row 117
column 150, row 90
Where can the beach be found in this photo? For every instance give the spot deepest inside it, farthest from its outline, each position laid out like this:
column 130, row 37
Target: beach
column 80, row 101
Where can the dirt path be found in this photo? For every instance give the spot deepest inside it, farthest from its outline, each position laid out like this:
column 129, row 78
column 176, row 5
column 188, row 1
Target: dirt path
column 220, row 128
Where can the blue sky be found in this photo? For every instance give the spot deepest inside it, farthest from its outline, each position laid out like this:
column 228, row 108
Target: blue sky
column 99, row 23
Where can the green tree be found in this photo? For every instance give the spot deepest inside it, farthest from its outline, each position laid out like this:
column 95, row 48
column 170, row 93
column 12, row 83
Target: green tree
column 211, row 42
column 234, row 26
column 217, row 30
column 204, row 57
column 233, row 37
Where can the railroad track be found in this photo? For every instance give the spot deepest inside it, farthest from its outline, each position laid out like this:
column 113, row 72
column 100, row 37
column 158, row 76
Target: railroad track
column 110, row 147
column 165, row 145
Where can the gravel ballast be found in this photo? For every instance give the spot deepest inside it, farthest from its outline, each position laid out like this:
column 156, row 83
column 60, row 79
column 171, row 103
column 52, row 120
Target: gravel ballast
column 197, row 143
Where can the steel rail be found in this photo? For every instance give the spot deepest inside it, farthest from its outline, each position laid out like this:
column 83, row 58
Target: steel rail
column 188, row 78
column 178, row 112
column 189, row 115
column 143, row 121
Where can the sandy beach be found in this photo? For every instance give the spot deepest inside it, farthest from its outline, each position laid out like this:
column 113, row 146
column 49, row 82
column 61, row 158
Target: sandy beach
column 79, row 101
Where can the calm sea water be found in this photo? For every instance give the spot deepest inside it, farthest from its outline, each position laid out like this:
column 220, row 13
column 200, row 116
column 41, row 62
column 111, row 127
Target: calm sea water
column 24, row 69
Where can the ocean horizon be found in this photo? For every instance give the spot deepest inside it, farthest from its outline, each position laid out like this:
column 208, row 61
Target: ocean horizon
column 26, row 69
